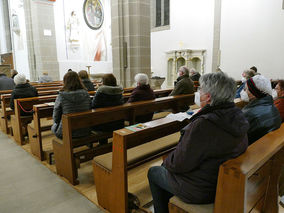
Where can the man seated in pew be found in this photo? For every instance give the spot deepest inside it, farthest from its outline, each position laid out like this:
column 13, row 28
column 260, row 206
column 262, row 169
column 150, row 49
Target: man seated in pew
column 245, row 76
column 45, row 78
column 183, row 85
column 86, row 81
column 279, row 98
column 194, row 75
column 22, row 90
column 5, row 82
column 260, row 111
column 14, row 73
column 215, row 134
column 109, row 94
column 72, row 98
column 142, row 92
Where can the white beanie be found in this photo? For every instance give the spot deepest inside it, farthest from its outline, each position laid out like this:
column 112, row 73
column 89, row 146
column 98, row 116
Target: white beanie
column 263, row 84
column 20, row 79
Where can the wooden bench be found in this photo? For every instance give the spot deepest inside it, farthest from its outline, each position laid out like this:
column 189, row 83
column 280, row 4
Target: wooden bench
column 131, row 149
column 6, row 111
column 63, row 149
column 41, row 111
column 248, row 183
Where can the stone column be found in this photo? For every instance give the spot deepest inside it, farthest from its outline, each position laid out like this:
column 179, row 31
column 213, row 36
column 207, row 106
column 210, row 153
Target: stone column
column 41, row 38
column 131, row 39
column 216, row 36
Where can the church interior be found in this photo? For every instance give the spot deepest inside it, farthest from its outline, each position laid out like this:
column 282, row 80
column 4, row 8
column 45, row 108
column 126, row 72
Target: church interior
column 108, row 170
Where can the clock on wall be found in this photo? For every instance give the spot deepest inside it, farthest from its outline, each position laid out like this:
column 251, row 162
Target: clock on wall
column 93, row 14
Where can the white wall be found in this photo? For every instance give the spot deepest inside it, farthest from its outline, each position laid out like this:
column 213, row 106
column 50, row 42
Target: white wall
column 252, row 33
column 191, row 27
column 79, row 60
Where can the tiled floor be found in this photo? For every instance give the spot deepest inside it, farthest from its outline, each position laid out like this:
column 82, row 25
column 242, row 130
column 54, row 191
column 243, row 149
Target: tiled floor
column 28, row 186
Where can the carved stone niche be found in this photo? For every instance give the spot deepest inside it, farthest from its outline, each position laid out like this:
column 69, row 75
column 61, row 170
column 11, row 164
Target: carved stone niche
column 186, row 57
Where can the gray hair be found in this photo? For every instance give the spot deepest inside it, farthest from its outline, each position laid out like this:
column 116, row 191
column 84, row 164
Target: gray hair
column 141, row 78
column 249, row 74
column 192, row 70
column 184, row 70
column 220, row 86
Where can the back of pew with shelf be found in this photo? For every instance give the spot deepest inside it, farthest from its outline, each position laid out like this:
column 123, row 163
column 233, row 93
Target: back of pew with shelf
column 63, row 149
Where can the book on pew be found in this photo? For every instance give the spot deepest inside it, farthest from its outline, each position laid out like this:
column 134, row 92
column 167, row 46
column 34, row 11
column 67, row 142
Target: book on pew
column 137, row 127
column 179, row 116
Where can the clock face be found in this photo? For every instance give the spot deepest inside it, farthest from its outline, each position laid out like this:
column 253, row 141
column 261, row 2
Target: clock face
column 93, row 14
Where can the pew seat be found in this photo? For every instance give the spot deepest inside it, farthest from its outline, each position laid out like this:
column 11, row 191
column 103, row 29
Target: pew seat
column 142, row 152
column 191, row 208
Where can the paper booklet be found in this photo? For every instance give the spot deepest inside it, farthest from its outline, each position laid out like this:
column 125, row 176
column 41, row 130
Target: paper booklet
column 137, row 127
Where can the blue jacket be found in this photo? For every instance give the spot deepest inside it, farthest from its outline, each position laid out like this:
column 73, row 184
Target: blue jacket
column 263, row 117
column 238, row 93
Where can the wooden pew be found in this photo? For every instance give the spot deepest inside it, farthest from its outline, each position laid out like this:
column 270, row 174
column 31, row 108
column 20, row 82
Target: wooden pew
column 63, row 149
column 41, row 111
column 248, row 183
column 6, row 111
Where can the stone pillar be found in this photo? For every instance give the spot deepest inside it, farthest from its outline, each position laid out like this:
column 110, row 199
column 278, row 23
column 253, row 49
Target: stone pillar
column 216, row 36
column 41, row 38
column 5, row 35
column 131, row 39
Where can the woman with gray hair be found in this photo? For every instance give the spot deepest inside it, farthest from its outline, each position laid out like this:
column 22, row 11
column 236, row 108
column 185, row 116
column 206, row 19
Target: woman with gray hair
column 247, row 74
column 142, row 92
column 217, row 133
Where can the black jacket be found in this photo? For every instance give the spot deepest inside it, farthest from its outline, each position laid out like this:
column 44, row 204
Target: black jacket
column 142, row 93
column 23, row 91
column 88, row 84
column 107, row 96
column 263, row 117
column 195, row 77
column 69, row 102
column 213, row 136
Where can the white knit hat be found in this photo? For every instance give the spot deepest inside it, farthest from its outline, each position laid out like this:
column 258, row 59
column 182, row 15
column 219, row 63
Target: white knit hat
column 20, row 79
column 263, row 84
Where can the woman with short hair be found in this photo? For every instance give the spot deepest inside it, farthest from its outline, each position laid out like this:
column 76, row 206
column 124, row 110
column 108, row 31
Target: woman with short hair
column 72, row 98
column 142, row 92
column 215, row 134
column 86, row 81
column 247, row 74
column 109, row 94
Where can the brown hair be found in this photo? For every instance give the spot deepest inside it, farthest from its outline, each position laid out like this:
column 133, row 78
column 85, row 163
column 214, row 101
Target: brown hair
column 109, row 80
column 83, row 74
column 281, row 84
column 72, row 82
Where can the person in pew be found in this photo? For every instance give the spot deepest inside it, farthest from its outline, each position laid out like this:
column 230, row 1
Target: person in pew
column 86, row 81
column 245, row 76
column 5, row 82
column 183, row 85
column 142, row 92
column 109, row 94
column 217, row 133
column 194, row 75
column 72, row 98
column 260, row 111
column 13, row 73
column 45, row 78
column 22, row 90
column 279, row 98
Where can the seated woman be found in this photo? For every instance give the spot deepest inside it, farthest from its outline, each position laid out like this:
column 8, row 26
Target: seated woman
column 72, row 98
column 22, row 90
column 86, row 81
column 245, row 76
column 260, row 111
column 142, row 92
column 217, row 133
column 109, row 94
column 279, row 102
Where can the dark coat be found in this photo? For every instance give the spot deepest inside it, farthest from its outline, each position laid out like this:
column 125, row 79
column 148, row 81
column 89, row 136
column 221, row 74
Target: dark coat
column 279, row 103
column 69, row 102
column 213, row 136
column 23, row 91
column 107, row 96
column 6, row 83
column 263, row 117
column 183, row 85
column 88, row 84
column 142, row 93
column 195, row 77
